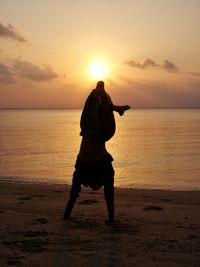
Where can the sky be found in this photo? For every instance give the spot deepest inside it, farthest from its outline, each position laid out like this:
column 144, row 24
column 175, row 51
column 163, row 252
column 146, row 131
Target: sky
column 151, row 49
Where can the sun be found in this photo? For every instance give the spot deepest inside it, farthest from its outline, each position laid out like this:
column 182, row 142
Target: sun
column 98, row 71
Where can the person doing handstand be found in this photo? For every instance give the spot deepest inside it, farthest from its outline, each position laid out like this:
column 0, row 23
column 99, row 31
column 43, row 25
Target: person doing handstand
column 93, row 166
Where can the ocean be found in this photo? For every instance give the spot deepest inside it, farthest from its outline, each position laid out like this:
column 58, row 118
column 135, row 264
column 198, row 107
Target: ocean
column 152, row 148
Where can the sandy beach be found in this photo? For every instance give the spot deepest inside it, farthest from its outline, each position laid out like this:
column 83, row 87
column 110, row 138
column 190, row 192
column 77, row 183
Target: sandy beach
column 153, row 228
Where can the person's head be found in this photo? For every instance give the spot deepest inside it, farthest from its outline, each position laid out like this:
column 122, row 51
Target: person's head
column 100, row 85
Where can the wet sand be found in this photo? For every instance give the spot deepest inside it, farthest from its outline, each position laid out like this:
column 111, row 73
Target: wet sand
column 153, row 228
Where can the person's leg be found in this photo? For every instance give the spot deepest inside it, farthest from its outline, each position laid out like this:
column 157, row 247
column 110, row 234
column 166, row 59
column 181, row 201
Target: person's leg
column 108, row 172
column 74, row 194
column 69, row 208
column 111, row 211
column 109, row 197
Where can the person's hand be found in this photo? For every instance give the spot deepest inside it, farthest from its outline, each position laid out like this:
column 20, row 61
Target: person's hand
column 122, row 109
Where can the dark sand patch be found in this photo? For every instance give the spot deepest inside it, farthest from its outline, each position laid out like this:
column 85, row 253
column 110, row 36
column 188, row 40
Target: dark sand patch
column 152, row 207
column 42, row 220
column 158, row 199
column 88, row 202
column 13, row 262
column 30, row 197
column 31, row 233
column 94, row 193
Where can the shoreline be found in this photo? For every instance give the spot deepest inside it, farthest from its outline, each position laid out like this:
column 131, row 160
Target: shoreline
column 80, row 108
column 153, row 227
column 3, row 180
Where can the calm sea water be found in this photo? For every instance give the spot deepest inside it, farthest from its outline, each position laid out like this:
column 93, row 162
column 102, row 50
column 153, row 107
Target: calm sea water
column 151, row 148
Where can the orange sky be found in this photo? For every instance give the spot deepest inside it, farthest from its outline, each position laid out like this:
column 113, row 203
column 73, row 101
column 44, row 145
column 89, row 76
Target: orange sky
column 150, row 46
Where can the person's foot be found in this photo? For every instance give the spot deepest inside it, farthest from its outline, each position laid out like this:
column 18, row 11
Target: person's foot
column 67, row 218
column 109, row 222
column 69, row 208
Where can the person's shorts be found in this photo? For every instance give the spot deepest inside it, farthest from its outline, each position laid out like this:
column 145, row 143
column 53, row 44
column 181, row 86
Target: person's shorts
column 95, row 175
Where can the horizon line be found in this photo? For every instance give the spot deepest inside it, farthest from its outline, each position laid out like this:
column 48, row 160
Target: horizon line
column 76, row 108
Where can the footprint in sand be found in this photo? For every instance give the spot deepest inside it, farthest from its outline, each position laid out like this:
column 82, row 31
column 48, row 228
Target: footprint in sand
column 37, row 196
column 24, row 198
column 121, row 228
column 29, row 197
column 94, row 193
column 42, row 220
column 147, row 197
column 88, row 202
column 13, row 262
column 31, row 233
column 147, row 208
column 162, row 199
column 30, row 245
column 190, row 237
column 6, row 243
column 21, row 202
column 165, row 199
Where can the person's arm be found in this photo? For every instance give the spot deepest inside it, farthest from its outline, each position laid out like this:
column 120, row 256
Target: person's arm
column 106, row 103
column 120, row 109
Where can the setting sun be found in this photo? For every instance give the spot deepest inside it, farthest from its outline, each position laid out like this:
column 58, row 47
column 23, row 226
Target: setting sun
column 98, row 70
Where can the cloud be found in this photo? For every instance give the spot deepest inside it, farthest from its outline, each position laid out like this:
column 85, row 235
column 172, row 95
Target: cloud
column 160, row 94
column 27, row 70
column 33, row 72
column 11, row 32
column 169, row 66
column 149, row 63
column 146, row 64
column 196, row 74
column 6, row 76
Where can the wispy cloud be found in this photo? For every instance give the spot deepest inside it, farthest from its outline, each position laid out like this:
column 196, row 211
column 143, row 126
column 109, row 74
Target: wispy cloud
column 6, row 76
column 11, row 32
column 160, row 94
column 196, row 74
column 33, row 72
column 149, row 63
column 146, row 64
column 25, row 69
column 169, row 66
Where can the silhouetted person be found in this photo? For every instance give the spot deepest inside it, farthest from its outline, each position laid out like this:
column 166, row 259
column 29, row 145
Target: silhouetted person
column 93, row 166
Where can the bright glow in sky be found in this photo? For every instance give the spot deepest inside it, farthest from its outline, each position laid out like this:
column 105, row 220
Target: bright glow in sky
column 98, row 71
column 151, row 48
